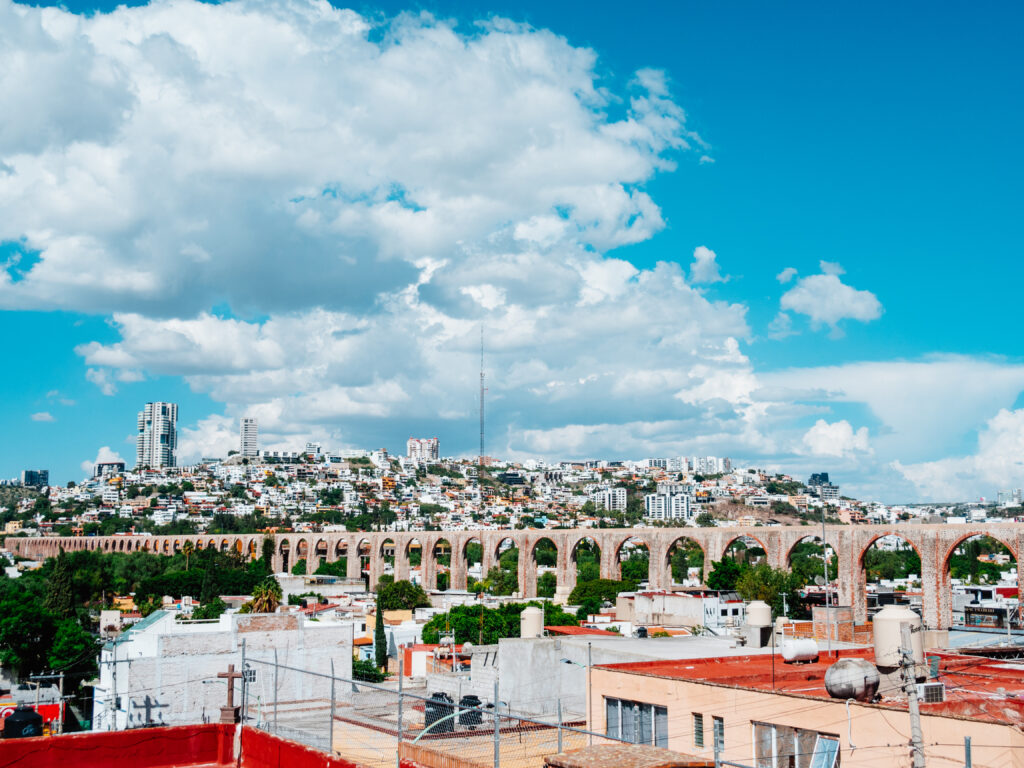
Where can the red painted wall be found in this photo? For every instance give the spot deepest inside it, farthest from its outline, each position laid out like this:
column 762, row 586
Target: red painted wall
column 261, row 750
column 142, row 748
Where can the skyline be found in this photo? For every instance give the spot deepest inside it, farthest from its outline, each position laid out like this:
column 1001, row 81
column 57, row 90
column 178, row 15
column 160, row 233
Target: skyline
column 687, row 231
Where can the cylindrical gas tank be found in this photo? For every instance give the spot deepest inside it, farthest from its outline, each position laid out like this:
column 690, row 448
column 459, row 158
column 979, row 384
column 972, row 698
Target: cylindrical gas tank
column 759, row 614
column 799, row 649
column 852, row 679
column 888, row 632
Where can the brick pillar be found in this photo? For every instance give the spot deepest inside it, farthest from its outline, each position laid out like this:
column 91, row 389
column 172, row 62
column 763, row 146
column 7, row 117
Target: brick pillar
column 353, row 565
column 526, row 569
column 931, row 585
column 428, row 567
column 566, row 575
column 310, row 558
column 457, row 578
column 658, row 576
column 401, row 559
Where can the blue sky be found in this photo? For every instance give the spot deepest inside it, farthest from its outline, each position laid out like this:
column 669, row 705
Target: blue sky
column 884, row 139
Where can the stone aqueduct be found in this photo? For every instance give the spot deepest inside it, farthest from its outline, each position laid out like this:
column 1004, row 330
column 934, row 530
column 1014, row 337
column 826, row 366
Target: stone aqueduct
column 934, row 543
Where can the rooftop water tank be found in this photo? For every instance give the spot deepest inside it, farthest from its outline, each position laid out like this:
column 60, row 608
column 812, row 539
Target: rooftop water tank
column 852, row 679
column 799, row 649
column 888, row 636
column 22, row 723
column 531, row 622
column 759, row 614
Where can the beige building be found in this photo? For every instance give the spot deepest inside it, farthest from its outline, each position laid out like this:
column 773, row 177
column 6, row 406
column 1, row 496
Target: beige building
column 769, row 714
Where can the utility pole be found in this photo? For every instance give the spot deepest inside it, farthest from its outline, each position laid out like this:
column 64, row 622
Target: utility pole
column 401, row 674
column 824, row 562
column 910, row 686
column 60, row 721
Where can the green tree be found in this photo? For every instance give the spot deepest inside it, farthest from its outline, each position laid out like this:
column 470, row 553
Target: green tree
column 380, row 640
column 705, row 520
column 774, row 586
column 299, row 569
column 724, row 574
column 364, row 669
column 211, row 610
column 73, row 650
column 547, row 583
column 401, row 595
column 60, row 597
column 601, row 590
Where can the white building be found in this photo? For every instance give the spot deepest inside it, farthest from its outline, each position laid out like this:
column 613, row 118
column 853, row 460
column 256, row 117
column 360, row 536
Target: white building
column 249, row 437
column 423, row 450
column 672, row 501
column 164, row 671
column 612, row 499
column 157, row 435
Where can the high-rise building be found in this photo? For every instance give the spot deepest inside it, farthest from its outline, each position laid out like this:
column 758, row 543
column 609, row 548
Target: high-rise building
column 249, row 436
column 158, row 435
column 35, row 478
column 423, row 449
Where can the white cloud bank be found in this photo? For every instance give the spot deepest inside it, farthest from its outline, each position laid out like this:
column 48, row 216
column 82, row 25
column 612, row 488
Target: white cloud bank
column 837, row 439
column 105, row 455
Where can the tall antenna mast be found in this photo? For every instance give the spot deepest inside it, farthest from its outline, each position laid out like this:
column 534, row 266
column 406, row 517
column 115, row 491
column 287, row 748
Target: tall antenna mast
column 482, row 390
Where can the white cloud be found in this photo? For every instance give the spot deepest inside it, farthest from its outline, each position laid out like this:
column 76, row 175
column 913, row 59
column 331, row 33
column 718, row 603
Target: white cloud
column 103, row 456
column 837, row 439
column 786, row 275
column 357, row 146
column 781, row 326
column 102, row 379
column 997, row 464
column 705, row 267
column 826, row 300
column 42, row 416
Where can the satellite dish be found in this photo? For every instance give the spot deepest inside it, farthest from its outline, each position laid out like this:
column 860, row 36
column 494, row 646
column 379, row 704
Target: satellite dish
column 819, row 580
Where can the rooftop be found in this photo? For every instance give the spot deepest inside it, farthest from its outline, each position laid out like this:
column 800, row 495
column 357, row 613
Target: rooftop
column 976, row 688
column 573, row 630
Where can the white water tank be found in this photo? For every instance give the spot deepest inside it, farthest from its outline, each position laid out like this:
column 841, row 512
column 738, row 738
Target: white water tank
column 799, row 649
column 852, row 679
column 887, row 626
column 531, row 622
column 759, row 614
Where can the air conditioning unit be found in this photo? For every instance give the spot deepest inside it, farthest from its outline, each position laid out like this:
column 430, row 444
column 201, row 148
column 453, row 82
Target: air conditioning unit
column 931, row 693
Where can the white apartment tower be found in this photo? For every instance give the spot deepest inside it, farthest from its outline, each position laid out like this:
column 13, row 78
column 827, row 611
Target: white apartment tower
column 423, row 449
column 249, row 437
column 158, row 435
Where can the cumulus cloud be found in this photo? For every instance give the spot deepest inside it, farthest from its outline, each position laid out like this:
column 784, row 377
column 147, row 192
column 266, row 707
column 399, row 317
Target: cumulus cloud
column 105, row 455
column 103, row 379
column 42, row 416
column 835, row 439
column 827, row 300
column 346, row 147
column 705, row 267
column 997, row 463
column 786, row 275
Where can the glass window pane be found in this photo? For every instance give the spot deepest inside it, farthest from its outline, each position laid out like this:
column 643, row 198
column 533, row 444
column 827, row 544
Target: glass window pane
column 644, row 732
column 825, row 753
column 698, row 729
column 628, row 724
column 719, row 726
column 805, row 741
column 763, row 756
column 661, row 727
column 611, row 717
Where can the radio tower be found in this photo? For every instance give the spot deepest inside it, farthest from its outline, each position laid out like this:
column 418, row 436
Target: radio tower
column 482, row 390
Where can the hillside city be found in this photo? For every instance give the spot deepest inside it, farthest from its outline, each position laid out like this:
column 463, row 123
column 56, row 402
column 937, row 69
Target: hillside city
column 98, row 631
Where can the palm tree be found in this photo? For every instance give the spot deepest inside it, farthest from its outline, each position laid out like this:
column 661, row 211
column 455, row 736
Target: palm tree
column 187, row 548
column 266, row 596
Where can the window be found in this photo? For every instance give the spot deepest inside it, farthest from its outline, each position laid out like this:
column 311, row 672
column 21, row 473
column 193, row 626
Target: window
column 698, row 729
column 782, row 746
column 718, row 725
column 636, row 722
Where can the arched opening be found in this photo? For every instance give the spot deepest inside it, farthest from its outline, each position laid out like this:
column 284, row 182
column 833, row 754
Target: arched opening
column 545, row 567
column 442, row 564
column 301, row 554
column 285, row 550
column 340, row 565
column 806, row 561
column 473, row 556
column 685, row 562
column 745, row 550
column 634, row 561
column 225, row 545
column 414, row 555
column 319, row 555
column 890, row 574
column 383, row 565
column 503, row 578
column 365, row 554
column 587, row 557
column 254, row 553
column 984, row 571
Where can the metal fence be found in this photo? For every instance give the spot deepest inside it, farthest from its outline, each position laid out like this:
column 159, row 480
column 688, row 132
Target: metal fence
column 379, row 725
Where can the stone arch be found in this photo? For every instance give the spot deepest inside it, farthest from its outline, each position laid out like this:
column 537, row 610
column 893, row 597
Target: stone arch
column 365, row 550
column 966, row 560
column 440, row 571
column 284, row 552
column 542, row 562
column 679, row 566
column 586, row 552
column 861, row 566
column 628, row 549
column 225, row 545
column 743, row 539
